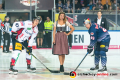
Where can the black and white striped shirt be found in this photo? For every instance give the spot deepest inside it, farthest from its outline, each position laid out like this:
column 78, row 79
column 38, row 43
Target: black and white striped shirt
column 6, row 26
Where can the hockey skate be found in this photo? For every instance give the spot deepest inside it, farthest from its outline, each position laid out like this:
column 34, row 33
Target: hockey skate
column 13, row 70
column 95, row 68
column 104, row 69
column 30, row 68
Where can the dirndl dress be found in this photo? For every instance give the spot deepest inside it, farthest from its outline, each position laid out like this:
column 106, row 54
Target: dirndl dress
column 61, row 42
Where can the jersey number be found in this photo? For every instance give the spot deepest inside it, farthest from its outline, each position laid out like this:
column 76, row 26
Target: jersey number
column 96, row 26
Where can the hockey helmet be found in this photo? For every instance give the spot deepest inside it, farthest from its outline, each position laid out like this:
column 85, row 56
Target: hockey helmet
column 38, row 18
column 87, row 21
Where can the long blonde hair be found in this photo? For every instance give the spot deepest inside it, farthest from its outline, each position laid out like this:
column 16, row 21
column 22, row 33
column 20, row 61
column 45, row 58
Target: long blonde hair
column 64, row 20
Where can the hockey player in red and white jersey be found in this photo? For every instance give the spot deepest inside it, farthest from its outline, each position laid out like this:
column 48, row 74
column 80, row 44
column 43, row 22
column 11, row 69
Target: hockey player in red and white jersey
column 23, row 32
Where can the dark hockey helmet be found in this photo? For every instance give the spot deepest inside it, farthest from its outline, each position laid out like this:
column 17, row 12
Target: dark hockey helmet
column 86, row 21
column 38, row 18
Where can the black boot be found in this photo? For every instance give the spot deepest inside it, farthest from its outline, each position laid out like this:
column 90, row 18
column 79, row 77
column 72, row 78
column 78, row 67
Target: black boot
column 12, row 70
column 103, row 69
column 30, row 68
column 61, row 68
column 95, row 68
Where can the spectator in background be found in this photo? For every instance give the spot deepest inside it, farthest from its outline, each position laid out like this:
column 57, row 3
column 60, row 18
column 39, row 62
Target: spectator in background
column 114, row 5
column 16, row 20
column 95, row 1
column 90, row 5
column 40, row 33
column 20, row 19
column 94, row 8
column 101, row 8
column 106, row 6
column 1, row 5
column 101, row 22
column 77, row 7
column 59, row 6
column 98, row 5
column 68, row 6
column 111, row 1
column 118, row 8
column 48, row 26
column 84, row 3
column 110, row 8
column 103, row 2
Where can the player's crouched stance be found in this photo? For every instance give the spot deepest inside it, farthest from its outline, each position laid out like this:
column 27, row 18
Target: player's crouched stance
column 100, row 36
column 23, row 32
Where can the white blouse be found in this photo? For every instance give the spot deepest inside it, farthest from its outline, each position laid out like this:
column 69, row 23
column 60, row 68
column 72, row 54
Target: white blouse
column 58, row 25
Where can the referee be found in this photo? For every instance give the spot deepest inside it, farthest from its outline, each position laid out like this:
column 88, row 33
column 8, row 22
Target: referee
column 69, row 36
column 6, row 36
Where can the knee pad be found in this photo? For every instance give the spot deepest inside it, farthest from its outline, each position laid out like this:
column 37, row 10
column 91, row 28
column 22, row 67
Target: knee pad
column 16, row 54
column 104, row 47
column 28, row 56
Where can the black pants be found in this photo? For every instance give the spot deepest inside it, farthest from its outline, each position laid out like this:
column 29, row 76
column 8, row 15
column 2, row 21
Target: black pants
column 69, row 39
column 6, row 42
column 0, row 37
column 48, row 39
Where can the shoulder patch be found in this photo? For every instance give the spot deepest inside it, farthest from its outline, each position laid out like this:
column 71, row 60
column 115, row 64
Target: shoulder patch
column 17, row 25
column 91, row 33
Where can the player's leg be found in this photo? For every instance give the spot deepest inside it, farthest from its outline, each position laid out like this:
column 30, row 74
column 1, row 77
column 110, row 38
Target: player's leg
column 103, row 49
column 14, row 59
column 97, row 57
column 29, row 59
column 17, row 47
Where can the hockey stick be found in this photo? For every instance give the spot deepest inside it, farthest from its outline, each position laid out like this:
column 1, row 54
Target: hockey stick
column 65, row 73
column 52, row 71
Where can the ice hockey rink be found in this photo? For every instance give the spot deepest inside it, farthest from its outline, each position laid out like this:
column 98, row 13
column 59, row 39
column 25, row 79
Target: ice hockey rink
column 52, row 62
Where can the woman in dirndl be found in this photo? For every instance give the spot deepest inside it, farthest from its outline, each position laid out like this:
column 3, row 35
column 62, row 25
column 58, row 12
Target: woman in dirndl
column 60, row 40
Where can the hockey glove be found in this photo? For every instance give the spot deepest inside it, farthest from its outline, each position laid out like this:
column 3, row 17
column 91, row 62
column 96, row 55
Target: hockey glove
column 14, row 34
column 89, row 49
column 29, row 50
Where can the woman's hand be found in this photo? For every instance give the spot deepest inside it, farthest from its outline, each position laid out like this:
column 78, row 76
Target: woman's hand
column 65, row 33
column 53, row 41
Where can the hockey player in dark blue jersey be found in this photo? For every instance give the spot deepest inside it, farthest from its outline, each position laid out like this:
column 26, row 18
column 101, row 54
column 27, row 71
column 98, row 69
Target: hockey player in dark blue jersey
column 100, row 36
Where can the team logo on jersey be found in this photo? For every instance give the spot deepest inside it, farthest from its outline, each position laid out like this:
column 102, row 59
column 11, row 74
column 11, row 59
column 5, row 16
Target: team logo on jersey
column 28, row 28
column 92, row 33
column 72, row 74
column 17, row 25
column 27, row 2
